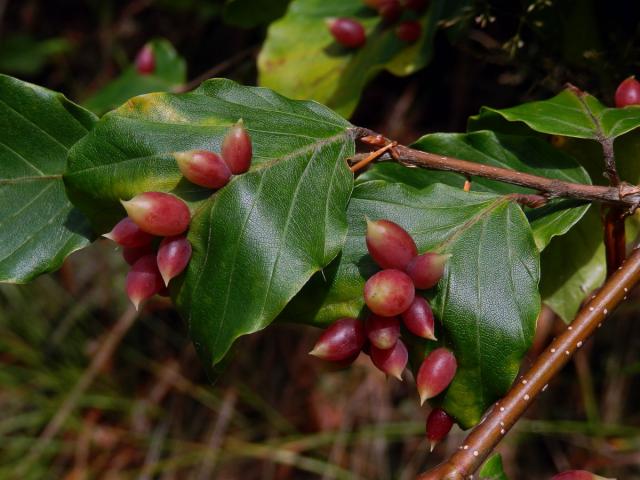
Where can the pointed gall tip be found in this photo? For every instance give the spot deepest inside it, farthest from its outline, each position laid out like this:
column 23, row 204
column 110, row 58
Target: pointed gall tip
column 397, row 375
column 127, row 204
column 424, row 396
column 318, row 351
column 166, row 277
column 108, row 235
column 182, row 157
column 432, row 445
column 131, row 207
column 136, row 302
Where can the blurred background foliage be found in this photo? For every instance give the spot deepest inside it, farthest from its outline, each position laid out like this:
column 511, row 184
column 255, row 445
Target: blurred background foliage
column 90, row 390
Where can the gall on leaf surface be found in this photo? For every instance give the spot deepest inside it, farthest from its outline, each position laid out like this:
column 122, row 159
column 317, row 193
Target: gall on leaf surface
column 169, row 72
column 487, row 302
column 301, row 59
column 39, row 227
column 521, row 153
column 256, row 241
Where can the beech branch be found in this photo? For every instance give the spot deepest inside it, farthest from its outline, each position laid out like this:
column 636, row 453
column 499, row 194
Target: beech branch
column 504, row 413
column 624, row 195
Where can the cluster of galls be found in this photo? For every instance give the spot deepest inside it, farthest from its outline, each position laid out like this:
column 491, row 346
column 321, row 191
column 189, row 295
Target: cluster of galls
column 151, row 215
column 351, row 34
column 390, row 295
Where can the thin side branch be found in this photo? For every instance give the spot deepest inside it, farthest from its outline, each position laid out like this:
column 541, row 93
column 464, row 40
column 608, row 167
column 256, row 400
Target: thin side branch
column 552, row 188
column 624, row 195
column 504, row 413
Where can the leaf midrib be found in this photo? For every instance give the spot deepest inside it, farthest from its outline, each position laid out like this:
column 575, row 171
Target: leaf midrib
column 292, row 155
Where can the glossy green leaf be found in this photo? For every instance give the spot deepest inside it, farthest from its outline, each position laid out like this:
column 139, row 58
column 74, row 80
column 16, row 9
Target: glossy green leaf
column 301, row 59
column 487, row 302
column 170, row 72
column 572, row 113
column 256, row 241
column 250, row 13
column 39, row 227
column 493, row 469
column 524, row 154
column 573, row 266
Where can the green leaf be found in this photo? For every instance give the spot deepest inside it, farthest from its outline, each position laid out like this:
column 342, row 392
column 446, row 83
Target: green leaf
column 39, row 227
column 573, row 266
column 521, row 153
column 170, row 72
column 571, row 113
column 258, row 240
column 301, row 59
column 487, row 302
column 493, row 469
column 251, row 13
